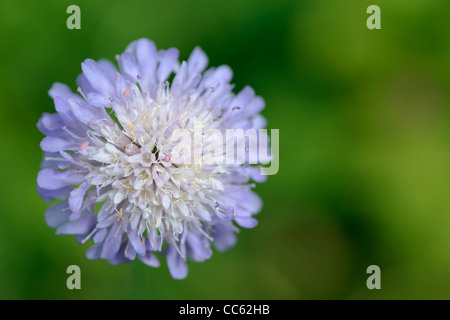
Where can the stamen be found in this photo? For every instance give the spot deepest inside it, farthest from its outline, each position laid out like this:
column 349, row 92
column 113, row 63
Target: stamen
column 178, row 250
column 89, row 236
column 126, row 251
column 70, row 132
column 82, row 93
column 120, row 214
column 55, row 159
column 118, row 229
column 155, row 224
column 205, row 234
column 84, row 145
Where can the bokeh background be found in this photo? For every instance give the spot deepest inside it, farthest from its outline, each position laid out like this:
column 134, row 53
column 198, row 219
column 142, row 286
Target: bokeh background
column 364, row 120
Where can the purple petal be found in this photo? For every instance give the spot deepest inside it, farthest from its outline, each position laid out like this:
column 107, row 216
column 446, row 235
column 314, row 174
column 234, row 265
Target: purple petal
column 65, row 111
column 247, row 222
column 108, row 68
column 243, row 97
column 76, row 197
column 223, row 237
column 180, row 80
column 50, row 195
column 52, row 179
column 84, row 225
column 259, row 122
column 147, row 58
column 129, row 252
column 198, row 247
column 111, row 245
column 88, row 115
column 57, row 214
column 99, row 236
column 250, row 201
column 153, row 242
column 54, row 160
column 94, row 251
column 98, row 100
column 84, row 84
column 55, row 144
column 135, row 241
column 104, row 212
column 177, row 265
column 129, row 65
column 60, row 90
column 150, row 259
column 168, row 63
column 215, row 77
column 255, row 174
column 107, row 222
column 119, row 257
column 255, row 106
column 50, row 123
column 197, row 61
column 98, row 78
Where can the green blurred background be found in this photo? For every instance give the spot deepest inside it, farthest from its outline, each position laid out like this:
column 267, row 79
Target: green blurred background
column 364, row 145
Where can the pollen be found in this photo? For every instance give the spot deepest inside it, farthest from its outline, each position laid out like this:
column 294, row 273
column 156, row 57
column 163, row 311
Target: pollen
column 84, row 145
column 154, row 224
column 120, row 214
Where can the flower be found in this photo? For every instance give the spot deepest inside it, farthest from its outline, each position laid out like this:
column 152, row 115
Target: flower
column 109, row 157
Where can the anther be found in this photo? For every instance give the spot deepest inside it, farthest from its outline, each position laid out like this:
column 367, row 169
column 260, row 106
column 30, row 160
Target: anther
column 84, row 145
column 155, row 224
column 120, row 214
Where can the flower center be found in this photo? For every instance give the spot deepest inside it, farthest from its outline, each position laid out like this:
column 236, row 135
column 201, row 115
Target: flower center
column 140, row 179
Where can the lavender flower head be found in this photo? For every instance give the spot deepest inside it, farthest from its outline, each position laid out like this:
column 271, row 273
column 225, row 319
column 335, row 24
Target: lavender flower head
column 108, row 157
